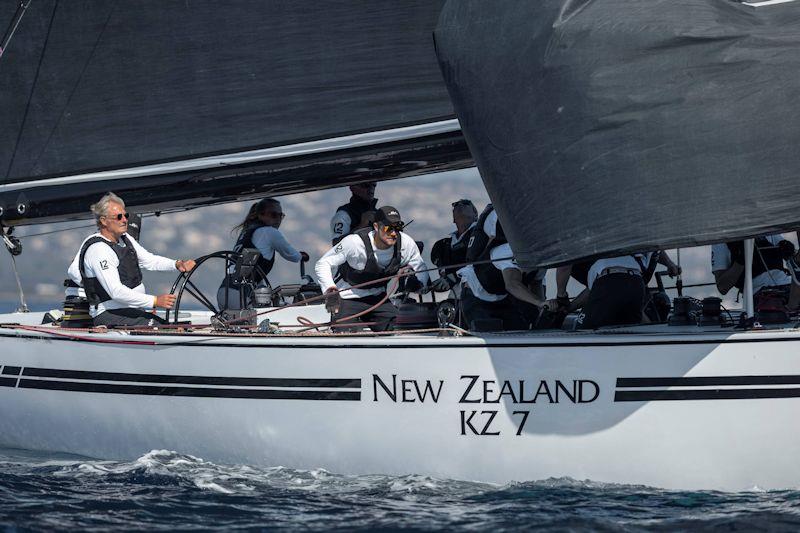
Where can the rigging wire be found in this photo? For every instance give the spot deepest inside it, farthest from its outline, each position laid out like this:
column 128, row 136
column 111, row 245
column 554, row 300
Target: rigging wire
column 12, row 28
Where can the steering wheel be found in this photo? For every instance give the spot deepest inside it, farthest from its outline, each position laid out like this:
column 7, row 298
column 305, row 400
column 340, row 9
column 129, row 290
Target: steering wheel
column 184, row 285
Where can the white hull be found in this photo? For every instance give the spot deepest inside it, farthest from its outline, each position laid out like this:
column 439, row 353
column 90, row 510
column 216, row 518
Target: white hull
column 626, row 434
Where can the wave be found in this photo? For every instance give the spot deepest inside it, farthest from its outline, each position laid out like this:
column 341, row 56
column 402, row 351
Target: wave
column 166, row 489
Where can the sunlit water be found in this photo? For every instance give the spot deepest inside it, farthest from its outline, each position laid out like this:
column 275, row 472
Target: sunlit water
column 167, row 490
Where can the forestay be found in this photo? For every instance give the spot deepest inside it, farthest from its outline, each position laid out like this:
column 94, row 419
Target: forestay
column 616, row 126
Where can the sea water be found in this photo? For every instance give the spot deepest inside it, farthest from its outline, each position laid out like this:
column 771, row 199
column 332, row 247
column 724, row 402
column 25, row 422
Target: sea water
column 164, row 490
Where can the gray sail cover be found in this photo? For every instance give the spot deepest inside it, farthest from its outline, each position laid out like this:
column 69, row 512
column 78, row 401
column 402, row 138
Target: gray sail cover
column 91, row 85
column 602, row 127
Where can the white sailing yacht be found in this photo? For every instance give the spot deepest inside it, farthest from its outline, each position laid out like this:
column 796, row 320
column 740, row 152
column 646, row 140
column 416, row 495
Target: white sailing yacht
column 309, row 100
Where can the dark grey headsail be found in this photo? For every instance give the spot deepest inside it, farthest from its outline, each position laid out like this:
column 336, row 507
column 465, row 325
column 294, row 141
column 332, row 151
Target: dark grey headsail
column 174, row 104
column 605, row 127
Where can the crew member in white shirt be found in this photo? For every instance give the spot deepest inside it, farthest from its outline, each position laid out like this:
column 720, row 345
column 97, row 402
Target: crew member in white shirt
column 727, row 265
column 368, row 255
column 108, row 267
column 500, row 295
column 615, row 292
column 259, row 230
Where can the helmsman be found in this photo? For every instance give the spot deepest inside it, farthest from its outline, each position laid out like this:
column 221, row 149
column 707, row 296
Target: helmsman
column 108, row 266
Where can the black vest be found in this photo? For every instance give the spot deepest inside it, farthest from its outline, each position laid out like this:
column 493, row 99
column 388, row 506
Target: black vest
column 444, row 253
column 480, row 244
column 491, row 277
column 245, row 240
column 355, row 209
column 479, row 248
column 772, row 258
column 371, row 270
column 129, row 272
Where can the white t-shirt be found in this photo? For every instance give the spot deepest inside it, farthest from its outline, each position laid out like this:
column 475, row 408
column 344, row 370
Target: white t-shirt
column 102, row 263
column 623, row 261
column 340, row 224
column 721, row 260
column 351, row 250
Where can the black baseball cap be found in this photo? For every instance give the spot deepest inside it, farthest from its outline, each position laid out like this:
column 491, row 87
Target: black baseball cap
column 388, row 215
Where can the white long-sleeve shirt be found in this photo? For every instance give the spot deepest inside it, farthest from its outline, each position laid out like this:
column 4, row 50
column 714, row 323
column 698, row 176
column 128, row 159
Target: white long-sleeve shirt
column 269, row 240
column 351, row 250
column 102, row 263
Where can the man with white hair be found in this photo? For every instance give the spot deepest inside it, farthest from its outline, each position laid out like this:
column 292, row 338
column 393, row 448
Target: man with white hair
column 108, row 266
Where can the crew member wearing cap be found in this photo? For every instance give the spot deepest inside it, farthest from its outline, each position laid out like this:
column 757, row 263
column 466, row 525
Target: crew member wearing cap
column 367, row 255
column 358, row 213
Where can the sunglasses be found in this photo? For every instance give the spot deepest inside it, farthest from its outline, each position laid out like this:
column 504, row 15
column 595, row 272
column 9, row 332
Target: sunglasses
column 119, row 216
column 275, row 214
column 393, row 227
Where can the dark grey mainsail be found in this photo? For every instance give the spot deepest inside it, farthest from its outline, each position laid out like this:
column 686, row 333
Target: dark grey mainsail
column 175, row 104
column 605, row 127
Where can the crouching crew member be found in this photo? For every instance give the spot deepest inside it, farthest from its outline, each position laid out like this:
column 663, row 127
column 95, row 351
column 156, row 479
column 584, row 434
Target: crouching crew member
column 367, row 255
column 358, row 213
column 258, row 230
column 615, row 292
column 500, row 294
column 727, row 265
column 452, row 250
column 108, row 266
column 497, row 293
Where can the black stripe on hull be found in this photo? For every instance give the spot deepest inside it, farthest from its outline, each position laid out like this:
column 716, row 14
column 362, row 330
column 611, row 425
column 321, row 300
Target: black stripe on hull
column 153, row 390
column 191, row 380
column 704, row 394
column 706, row 381
column 8, row 382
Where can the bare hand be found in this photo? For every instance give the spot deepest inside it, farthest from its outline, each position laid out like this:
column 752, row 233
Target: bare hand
column 165, row 301
column 673, row 270
column 185, row 265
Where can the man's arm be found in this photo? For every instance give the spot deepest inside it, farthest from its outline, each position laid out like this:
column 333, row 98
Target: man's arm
column 562, row 279
column 665, row 260
column 328, row 263
column 103, row 263
column 410, row 256
column 727, row 265
column 726, row 279
column 512, row 278
column 340, row 226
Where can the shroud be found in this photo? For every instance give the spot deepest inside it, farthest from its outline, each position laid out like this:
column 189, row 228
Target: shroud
column 176, row 104
column 613, row 126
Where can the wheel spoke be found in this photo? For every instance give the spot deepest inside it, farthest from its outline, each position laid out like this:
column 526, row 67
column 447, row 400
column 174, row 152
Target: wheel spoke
column 194, row 291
